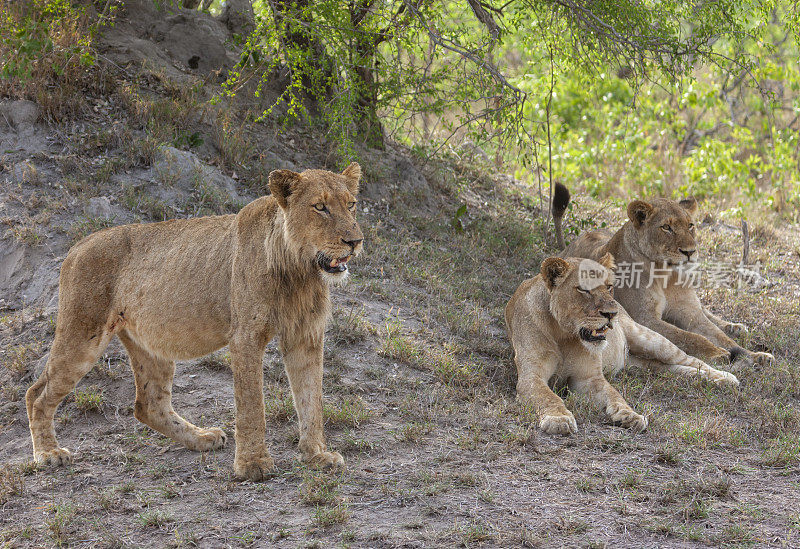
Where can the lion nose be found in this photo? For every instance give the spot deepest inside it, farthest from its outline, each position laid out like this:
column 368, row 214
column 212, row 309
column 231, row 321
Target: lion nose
column 353, row 243
column 687, row 253
column 609, row 314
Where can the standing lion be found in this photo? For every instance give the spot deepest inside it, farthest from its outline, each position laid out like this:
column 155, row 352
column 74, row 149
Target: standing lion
column 181, row 289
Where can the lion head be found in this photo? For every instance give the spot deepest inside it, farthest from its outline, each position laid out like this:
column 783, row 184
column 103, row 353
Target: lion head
column 581, row 297
column 664, row 230
column 319, row 209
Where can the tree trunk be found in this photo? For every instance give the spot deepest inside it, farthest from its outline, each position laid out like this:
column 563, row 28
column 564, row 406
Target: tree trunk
column 317, row 78
column 369, row 125
column 317, row 69
column 366, row 108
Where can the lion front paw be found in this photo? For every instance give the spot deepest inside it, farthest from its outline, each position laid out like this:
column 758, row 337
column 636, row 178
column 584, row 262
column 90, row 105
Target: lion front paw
column 212, row 438
column 257, row 470
column 324, row 460
column 53, row 458
column 735, row 329
column 624, row 416
column 562, row 424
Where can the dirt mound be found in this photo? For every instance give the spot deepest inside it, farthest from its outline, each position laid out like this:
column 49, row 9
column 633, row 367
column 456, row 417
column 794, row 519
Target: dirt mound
column 177, row 43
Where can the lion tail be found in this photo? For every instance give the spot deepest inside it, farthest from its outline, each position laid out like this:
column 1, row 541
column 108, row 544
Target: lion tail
column 560, row 203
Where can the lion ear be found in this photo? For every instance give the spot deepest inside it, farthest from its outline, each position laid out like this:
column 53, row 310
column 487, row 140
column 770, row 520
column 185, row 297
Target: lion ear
column 553, row 269
column 639, row 211
column 607, row 261
column 690, row 205
column 353, row 175
column 280, row 185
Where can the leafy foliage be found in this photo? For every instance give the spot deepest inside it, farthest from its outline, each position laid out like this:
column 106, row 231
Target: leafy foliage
column 467, row 63
column 46, row 47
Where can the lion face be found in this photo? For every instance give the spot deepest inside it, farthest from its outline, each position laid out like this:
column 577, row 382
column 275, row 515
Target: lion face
column 665, row 230
column 319, row 209
column 582, row 298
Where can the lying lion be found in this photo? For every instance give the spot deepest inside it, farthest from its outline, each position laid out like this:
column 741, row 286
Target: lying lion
column 181, row 289
column 660, row 235
column 565, row 326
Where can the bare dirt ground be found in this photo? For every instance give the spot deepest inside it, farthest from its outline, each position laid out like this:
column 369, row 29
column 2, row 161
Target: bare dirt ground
column 419, row 398
column 419, row 381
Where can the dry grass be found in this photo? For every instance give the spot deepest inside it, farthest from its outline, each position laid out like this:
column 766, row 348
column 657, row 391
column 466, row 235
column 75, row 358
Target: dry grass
column 320, row 488
column 49, row 57
column 89, row 399
column 232, row 141
column 17, row 358
column 420, row 399
column 86, row 225
column 12, row 484
column 163, row 117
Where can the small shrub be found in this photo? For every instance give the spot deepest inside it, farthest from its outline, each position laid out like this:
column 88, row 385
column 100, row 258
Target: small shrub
column 413, row 432
column 12, row 483
column 89, row 399
column 348, row 413
column 47, row 48
column 27, row 233
column 318, row 488
column 208, row 199
column 60, row 526
column 782, row 451
column 279, row 406
column 154, row 518
column 232, row 142
column 17, row 358
column 350, row 327
column 328, row 516
column 86, row 225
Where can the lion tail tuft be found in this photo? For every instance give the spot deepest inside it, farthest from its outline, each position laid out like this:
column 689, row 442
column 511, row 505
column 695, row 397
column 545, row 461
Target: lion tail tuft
column 560, row 203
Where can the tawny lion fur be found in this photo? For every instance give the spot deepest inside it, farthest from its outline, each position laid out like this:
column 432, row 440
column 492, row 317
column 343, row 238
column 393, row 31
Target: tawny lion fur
column 660, row 234
column 566, row 329
column 181, row 289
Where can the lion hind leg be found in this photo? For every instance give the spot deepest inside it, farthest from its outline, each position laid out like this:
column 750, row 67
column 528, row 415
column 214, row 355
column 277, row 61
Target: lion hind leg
column 732, row 329
column 153, row 377
column 72, row 356
column 654, row 351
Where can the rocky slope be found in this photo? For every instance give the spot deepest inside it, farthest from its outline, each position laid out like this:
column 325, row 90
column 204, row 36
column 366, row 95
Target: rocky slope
column 419, row 382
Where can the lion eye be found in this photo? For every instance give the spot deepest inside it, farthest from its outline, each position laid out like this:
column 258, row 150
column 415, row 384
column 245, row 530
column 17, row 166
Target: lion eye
column 691, row 226
column 666, row 228
column 351, row 206
column 582, row 290
column 320, row 207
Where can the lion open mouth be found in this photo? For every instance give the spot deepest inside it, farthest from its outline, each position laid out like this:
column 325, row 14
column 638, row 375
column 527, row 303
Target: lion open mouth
column 597, row 334
column 333, row 266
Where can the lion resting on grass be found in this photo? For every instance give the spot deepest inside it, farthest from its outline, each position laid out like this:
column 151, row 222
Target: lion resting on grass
column 660, row 237
column 181, row 289
column 566, row 327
